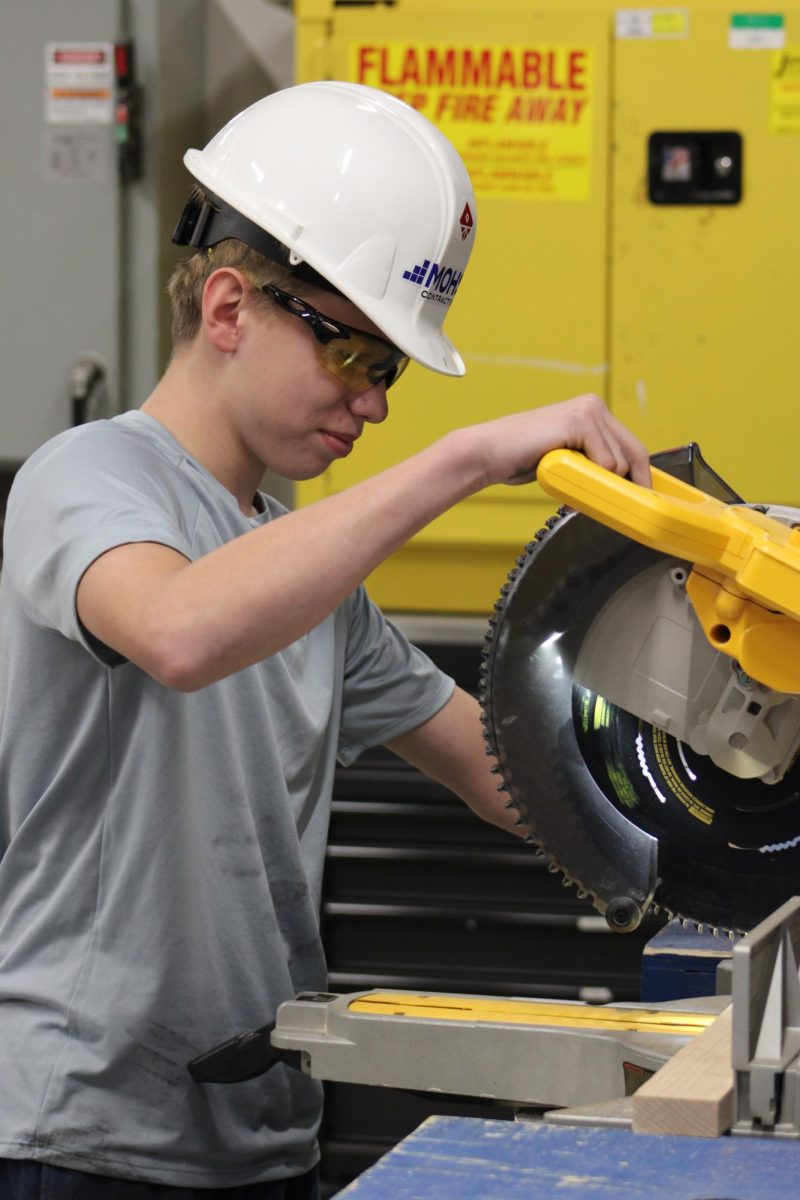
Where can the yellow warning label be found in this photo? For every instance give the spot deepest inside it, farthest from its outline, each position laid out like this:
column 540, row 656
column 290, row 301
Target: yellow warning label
column 785, row 91
column 520, row 116
column 672, row 22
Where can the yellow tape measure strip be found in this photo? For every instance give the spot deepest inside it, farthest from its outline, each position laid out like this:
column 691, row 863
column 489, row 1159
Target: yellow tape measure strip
column 531, row 1012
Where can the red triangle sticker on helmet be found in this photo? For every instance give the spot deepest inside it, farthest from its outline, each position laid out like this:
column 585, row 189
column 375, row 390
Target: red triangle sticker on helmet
column 466, row 221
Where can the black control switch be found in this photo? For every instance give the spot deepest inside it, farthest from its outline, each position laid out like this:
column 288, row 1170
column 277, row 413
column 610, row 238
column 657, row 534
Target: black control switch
column 694, row 167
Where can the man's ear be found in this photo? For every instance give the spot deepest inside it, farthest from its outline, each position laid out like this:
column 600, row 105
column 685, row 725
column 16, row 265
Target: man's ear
column 224, row 294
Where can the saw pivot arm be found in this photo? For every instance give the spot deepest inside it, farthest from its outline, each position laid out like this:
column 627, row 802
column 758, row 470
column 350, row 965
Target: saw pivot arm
column 745, row 583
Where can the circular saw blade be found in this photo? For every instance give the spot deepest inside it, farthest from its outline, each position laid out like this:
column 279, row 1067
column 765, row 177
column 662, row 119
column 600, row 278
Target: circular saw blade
column 628, row 813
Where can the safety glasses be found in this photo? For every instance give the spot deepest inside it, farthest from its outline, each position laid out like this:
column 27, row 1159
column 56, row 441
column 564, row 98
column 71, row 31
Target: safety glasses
column 360, row 360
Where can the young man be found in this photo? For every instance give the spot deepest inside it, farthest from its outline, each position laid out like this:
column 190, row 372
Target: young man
column 183, row 661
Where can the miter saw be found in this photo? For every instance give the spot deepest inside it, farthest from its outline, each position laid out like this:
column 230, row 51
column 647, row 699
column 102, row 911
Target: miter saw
column 640, row 693
column 641, row 697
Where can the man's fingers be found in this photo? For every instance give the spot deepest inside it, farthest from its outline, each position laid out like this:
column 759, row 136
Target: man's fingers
column 631, row 456
column 583, row 423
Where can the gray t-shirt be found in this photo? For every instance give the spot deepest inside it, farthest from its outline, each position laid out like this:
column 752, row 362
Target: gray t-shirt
column 162, row 852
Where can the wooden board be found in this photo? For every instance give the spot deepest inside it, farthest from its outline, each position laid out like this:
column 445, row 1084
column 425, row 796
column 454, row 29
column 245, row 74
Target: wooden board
column 693, row 1092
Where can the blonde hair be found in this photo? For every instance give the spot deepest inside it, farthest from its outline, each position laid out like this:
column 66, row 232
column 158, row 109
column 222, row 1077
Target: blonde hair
column 185, row 287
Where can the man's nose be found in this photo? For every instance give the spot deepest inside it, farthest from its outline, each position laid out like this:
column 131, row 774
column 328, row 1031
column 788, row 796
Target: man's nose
column 371, row 405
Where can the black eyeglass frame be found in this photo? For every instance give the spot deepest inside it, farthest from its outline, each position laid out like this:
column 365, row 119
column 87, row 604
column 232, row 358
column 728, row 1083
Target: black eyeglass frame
column 327, row 329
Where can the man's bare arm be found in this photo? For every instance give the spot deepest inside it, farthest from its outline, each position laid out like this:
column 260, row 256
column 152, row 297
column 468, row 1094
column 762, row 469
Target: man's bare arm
column 450, row 748
column 190, row 624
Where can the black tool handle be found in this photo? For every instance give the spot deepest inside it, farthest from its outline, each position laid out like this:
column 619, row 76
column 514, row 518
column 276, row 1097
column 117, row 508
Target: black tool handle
column 241, row 1058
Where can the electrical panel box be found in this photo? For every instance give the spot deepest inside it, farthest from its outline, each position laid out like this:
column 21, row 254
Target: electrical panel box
column 59, row 207
column 637, row 173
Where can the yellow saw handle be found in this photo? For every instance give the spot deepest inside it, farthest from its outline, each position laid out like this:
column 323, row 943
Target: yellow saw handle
column 746, row 584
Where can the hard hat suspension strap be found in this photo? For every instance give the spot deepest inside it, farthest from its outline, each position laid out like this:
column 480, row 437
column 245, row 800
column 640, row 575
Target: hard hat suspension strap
column 207, row 220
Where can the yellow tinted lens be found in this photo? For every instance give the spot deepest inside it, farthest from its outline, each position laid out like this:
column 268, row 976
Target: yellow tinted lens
column 345, row 361
column 398, row 370
column 361, row 361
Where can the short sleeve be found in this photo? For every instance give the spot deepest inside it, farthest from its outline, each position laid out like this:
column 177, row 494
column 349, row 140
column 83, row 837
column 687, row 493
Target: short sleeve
column 85, row 492
column 390, row 686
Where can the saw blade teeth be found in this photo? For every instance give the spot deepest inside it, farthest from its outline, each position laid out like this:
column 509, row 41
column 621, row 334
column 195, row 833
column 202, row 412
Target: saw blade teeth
column 488, row 651
column 703, row 926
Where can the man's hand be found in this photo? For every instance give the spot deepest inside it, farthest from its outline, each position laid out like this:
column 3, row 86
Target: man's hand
column 512, row 446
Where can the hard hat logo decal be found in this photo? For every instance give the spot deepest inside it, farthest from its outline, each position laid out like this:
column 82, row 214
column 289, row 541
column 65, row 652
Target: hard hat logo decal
column 440, row 283
column 417, row 273
column 466, row 221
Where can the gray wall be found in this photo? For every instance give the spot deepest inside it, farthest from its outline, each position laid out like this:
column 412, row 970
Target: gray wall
column 86, row 259
column 59, row 217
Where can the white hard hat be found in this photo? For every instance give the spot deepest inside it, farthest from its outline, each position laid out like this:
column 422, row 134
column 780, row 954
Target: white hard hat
column 348, row 183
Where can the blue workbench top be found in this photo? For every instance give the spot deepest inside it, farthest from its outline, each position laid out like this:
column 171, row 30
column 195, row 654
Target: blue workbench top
column 464, row 1158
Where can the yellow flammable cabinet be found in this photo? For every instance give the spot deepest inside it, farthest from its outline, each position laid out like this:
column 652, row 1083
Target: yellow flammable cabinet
column 637, row 172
